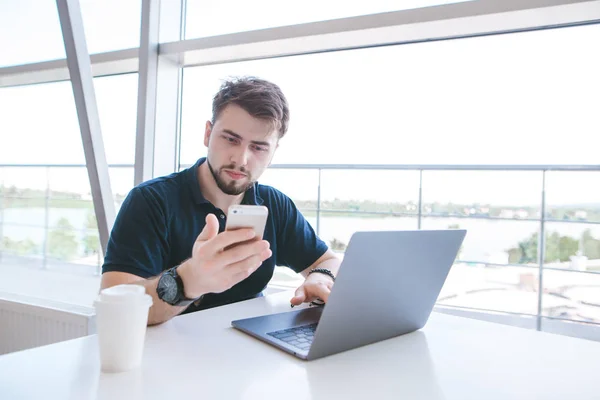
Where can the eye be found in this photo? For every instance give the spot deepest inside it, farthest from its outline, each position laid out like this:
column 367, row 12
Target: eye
column 259, row 148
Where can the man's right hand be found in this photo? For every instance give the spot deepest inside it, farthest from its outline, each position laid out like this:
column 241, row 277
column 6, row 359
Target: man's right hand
column 213, row 268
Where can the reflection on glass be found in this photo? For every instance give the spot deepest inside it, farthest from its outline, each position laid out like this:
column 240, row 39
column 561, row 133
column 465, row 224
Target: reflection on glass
column 572, row 295
column 378, row 191
column 503, row 194
column 491, row 241
column 345, row 109
column 573, row 196
column 508, row 289
column 573, row 246
column 215, row 18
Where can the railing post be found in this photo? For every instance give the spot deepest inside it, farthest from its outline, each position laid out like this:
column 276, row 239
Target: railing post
column 541, row 253
column 319, row 204
column 99, row 262
column 46, row 219
column 2, row 218
column 420, row 206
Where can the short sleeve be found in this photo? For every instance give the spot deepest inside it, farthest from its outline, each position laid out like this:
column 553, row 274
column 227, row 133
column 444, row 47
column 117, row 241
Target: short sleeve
column 138, row 242
column 298, row 246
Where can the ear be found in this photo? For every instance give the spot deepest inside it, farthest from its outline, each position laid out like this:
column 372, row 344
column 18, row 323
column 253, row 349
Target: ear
column 207, row 132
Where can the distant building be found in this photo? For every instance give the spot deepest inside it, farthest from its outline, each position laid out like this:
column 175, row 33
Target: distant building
column 522, row 214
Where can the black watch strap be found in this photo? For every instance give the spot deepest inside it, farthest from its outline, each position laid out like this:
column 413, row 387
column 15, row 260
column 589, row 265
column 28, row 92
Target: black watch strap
column 179, row 299
column 182, row 300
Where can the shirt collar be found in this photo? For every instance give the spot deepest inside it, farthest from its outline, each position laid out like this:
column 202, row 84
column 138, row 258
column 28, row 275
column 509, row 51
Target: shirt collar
column 251, row 197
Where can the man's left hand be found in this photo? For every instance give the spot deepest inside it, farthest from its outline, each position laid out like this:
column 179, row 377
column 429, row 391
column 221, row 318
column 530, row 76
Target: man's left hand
column 315, row 286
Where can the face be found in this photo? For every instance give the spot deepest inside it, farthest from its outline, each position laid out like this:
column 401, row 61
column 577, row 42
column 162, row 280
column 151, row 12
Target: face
column 240, row 148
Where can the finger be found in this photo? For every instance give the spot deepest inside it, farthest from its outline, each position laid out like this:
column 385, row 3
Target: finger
column 227, row 238
column 320, row 291
column 243, row 269
column 299, row 297
column 210, row 230
column 242, row 252
column 252, row 262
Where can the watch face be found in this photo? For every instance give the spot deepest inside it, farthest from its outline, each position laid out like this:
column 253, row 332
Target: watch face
column 168, row 288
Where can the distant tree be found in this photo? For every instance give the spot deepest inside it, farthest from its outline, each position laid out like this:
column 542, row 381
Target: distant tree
column 590, row 245
column 62, row 241
column 24, row 247
column 525, row 252
column 91, row 242
column 558, row 248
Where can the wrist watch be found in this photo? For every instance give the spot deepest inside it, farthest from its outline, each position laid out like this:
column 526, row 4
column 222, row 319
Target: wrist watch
column 170, row 289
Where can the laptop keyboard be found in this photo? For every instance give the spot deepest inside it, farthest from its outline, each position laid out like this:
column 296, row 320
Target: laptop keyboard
column 300, row 337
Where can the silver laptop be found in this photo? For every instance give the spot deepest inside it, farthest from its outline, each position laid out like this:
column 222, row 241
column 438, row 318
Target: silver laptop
column 387, row 286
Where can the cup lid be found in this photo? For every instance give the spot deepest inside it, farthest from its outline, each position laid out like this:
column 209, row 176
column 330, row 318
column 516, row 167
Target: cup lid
column 124, row 293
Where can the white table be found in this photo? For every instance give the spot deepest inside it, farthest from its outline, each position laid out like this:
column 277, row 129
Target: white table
column 199, row 356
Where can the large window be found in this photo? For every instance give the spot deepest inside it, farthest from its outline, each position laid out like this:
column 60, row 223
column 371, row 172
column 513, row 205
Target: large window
column 525, row 98
column 514, row 99
column 39, row 122
column 47, row 218
column 30, row 29
column 205, row 18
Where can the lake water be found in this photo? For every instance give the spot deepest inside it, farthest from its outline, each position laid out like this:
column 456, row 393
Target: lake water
column 486, row 240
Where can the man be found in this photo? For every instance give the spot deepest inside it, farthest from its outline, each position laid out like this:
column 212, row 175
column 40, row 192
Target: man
column 169, row 234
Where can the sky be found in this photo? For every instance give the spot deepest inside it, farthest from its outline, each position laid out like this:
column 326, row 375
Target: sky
column 527, row 98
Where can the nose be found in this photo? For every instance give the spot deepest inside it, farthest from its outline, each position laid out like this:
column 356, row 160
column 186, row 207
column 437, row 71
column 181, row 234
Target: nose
column 240, row 156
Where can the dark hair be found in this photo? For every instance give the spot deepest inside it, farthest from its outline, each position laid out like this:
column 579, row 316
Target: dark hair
column 259, row 98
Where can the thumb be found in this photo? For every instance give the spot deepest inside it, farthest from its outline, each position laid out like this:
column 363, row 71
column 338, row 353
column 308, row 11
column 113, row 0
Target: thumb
column 211, row 229
column 299, row 297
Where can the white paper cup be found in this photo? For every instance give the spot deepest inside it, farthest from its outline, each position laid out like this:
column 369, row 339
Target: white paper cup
column 121, row 319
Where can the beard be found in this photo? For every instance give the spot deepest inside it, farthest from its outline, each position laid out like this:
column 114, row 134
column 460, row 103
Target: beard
column 232, row 188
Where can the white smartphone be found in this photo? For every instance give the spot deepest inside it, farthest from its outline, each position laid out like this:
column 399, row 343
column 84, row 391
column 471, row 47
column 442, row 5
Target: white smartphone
column 247, row 216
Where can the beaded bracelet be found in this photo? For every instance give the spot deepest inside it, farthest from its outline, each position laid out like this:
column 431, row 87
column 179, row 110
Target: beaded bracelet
column 323, row 271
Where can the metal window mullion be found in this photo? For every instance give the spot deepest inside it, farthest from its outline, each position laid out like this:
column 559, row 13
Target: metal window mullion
column 169, row 76
column 541, row 253
column 2, row 195
column 420, row 206
column 319, row 205
column 46, row 219
column 448, row 21
column 147, row 77
column 80, row 72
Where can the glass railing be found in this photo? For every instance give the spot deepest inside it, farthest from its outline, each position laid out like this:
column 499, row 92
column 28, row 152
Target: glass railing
column 533, row 232
column 508, row 211
column 47, row 217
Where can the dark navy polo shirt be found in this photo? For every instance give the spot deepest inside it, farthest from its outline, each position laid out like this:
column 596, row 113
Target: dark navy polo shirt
column 160, row 220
